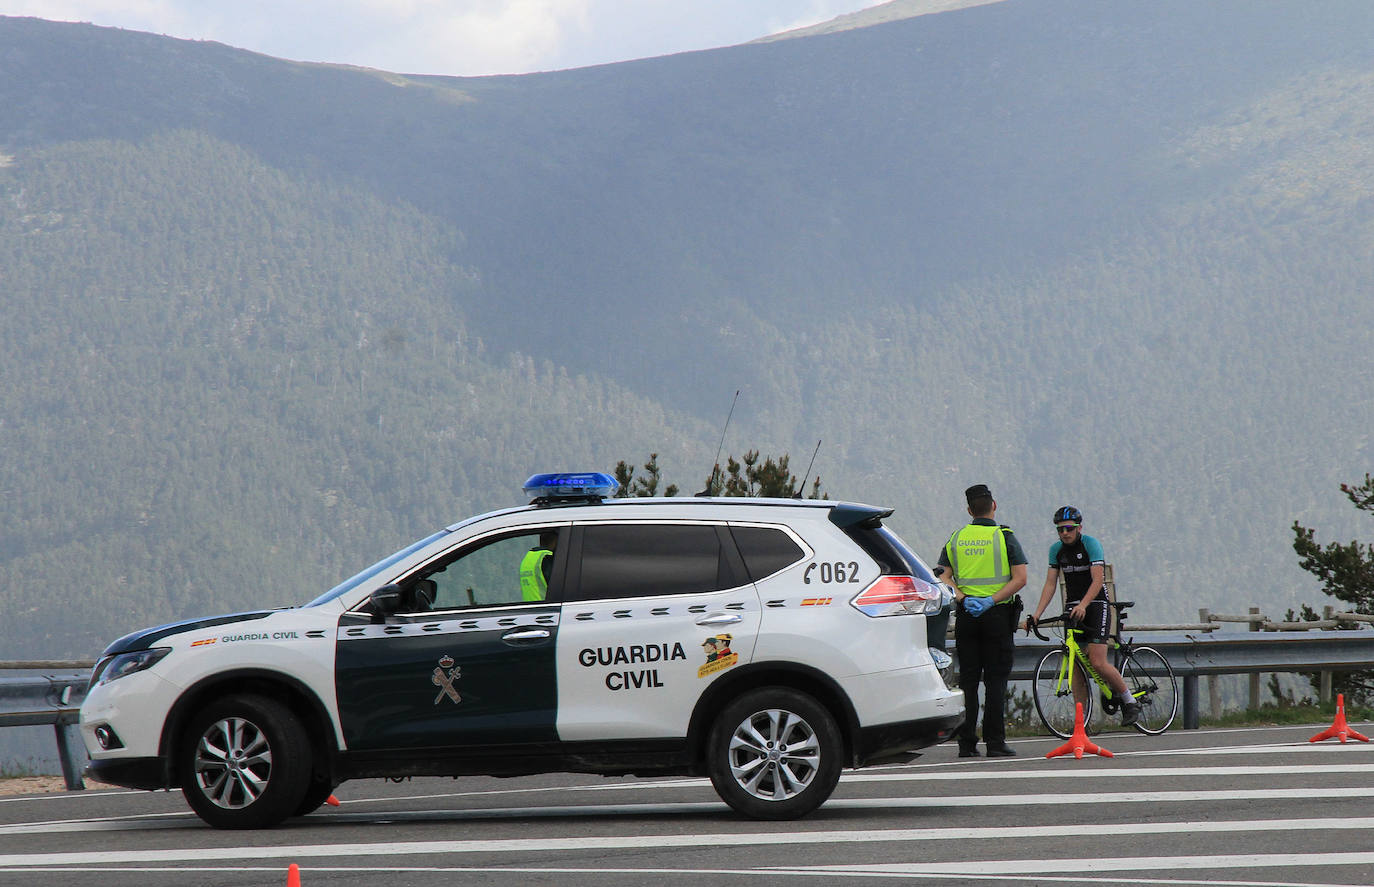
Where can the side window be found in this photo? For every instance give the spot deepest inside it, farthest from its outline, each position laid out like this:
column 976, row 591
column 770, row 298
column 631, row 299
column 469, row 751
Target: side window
column 512, row 569
column 647, row 560
column 892, row 554
column 765, row 550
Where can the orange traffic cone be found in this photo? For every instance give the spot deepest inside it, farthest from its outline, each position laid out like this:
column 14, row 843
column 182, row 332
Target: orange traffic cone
column 1079, row 743
column 1339, row 727
column 293, row 875
column 332, row 801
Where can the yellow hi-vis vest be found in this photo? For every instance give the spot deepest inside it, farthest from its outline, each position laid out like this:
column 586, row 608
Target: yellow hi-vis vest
column 532, row 583
column 978, row 556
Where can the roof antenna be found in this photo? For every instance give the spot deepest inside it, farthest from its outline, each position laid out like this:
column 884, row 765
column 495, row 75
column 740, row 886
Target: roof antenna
column 715, row 466
column 801, row 489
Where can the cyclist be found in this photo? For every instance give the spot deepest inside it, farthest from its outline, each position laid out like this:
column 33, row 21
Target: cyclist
column 1079, row 557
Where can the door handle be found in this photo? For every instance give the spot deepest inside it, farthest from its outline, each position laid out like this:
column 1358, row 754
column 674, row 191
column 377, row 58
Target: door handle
column 720, row 619
column 526, row 635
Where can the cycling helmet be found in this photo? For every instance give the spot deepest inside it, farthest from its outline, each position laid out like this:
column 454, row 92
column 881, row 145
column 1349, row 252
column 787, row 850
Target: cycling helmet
column 1068, row 512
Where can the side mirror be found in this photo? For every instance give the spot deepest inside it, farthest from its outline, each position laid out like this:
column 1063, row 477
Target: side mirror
column 385, row 600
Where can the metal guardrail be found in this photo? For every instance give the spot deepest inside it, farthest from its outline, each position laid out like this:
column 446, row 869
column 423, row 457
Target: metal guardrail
column 1250, row 653
column 39, row 700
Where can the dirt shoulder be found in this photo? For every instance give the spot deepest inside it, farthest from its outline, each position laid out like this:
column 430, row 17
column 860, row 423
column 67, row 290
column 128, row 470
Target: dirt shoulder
column 31, row 785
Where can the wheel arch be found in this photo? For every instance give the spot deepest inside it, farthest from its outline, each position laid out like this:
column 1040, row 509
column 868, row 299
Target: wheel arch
column 815, row 683
column 289, row 691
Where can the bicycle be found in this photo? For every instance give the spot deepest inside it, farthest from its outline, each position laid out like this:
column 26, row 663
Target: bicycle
column 1149, row 678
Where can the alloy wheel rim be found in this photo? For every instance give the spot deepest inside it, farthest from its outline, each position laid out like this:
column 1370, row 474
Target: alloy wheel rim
column 233, row 763
column 774, row 755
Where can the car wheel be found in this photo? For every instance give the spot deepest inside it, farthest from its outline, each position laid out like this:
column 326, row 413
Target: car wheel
column 316, row 794
column 774, row 753
column 245, row 763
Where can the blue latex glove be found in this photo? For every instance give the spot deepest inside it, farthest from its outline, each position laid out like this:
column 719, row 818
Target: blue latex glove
column 975, row 606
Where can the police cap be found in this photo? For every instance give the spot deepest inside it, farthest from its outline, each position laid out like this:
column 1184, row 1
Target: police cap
column 977, row 491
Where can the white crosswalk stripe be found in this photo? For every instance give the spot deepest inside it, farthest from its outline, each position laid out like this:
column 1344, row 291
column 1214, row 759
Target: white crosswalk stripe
column 1171, row 797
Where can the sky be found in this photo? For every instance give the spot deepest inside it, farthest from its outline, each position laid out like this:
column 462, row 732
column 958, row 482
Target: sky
column 455, row 37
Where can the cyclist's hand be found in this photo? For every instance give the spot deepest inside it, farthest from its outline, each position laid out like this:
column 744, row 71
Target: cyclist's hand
column 1028, row 624
column 1078, row 613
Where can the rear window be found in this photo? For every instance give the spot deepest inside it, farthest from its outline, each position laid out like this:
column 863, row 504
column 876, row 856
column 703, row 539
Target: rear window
column 765, row 550
column 893, row 556
column 648, row 560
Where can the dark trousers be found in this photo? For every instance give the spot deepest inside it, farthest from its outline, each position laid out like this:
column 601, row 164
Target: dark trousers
column 986, row 651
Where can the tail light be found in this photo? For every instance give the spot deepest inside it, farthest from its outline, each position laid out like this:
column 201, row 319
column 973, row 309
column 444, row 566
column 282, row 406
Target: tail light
column 898, row 596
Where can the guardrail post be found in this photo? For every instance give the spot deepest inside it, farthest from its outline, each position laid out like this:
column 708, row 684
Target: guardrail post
column 1324, row 687
column 1254, row 675
column 72, row 751
column 1191, row 720
column 1204, row 616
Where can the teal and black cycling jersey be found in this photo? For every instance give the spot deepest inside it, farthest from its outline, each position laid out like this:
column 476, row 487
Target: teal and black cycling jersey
column 1075, row 561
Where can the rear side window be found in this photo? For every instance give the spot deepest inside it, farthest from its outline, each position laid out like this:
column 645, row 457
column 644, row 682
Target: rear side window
column 765, row 550
column 648, row 560
column 892, row 555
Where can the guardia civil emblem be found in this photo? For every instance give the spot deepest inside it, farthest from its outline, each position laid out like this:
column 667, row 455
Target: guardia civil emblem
column 443, row 678
column 719, row 656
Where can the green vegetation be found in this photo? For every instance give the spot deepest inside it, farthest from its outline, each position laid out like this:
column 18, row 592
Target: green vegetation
column 769, row 479
column 1347, row 574
column 1285, row 713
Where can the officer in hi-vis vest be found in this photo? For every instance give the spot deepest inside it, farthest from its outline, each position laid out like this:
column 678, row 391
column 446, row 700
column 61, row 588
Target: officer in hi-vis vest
column 535, row 567
column 988, row 568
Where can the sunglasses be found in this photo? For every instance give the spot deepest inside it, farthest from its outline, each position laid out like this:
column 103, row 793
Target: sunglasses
column 1064, row 528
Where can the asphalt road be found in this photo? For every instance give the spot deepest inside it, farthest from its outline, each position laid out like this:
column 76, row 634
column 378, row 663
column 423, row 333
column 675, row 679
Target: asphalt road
column 1235, row 807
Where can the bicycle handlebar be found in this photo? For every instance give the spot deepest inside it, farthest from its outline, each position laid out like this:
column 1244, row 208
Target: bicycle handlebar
column 1033, row 624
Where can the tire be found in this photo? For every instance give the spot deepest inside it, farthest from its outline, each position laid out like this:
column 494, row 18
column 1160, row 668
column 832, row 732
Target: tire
column 1054, row 702
column 245, row 763
column 774, row 753
column 1151, row 681
column 316, row 793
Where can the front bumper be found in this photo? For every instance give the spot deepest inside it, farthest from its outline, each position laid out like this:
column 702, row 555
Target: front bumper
column 149, row 774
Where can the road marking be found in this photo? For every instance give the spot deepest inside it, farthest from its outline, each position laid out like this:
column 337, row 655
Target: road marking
column 1049, row 799
column 1268, row 749
column 62, row 796
column 641, row 842
column 1106, row 863
column 642, row 873
column 1108, row 770
column 919, row 772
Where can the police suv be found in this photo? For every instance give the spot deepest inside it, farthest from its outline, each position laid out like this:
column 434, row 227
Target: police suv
column 765, row 643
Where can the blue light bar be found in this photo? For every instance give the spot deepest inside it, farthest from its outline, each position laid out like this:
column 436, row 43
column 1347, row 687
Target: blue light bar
column 571, row 485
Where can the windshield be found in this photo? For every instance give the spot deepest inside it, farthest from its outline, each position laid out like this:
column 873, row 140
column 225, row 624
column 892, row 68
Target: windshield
column 351, row 583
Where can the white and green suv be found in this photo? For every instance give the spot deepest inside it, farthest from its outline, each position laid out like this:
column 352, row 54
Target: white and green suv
column 765, row 643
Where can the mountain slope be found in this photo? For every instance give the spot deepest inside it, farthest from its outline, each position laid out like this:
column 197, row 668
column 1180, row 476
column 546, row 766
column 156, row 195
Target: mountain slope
column 892, row 11
column 266, row 321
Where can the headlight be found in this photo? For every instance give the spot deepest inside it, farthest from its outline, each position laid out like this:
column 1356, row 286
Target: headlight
column 120, row 664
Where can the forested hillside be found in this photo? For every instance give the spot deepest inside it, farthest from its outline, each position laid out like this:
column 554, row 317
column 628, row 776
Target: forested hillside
column 265, row 322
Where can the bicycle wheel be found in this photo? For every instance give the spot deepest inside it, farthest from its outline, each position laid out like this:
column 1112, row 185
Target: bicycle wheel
column 1053, row 694
column 1152, row 683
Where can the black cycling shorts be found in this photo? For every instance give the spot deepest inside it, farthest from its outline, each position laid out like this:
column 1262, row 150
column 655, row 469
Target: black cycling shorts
column 1094, row 629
